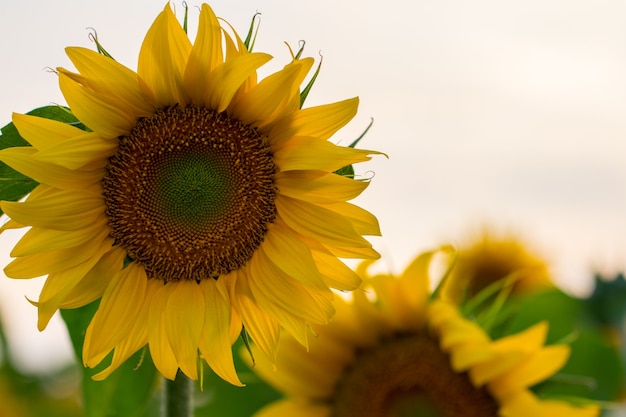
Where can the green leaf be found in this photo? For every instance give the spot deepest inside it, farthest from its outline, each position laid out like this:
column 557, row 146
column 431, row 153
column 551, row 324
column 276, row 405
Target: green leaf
column 307, row 89
column 348, row 170
column 594, row 369
column 607, row 300
column 94, row 37
column 252, row 32
column 130, row 391
column 14, row 185
column 564, row 313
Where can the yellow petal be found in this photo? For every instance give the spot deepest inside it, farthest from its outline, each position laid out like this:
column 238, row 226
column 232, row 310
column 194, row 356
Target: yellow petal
column 271, row 286
column 63, row 210
column 271, row 98
column 309, row 153
column 532, row 370
column 136, row 339
column 206, row 54
column 39, row 239
column 107, row 76
column 525, row 403
column 334, row 272
column 415, row 280
column 352, row 253
column 527, row 341
column 364, row 222
column 318, row 186
column 22, row 159
column 79, row 151
column 98, row 112
column 485, row 371
column 320, row 121
column 293, row 408
column 215, row 343
column 163, row 58
column 184, row 322
column 59, row 285
column 43, row 133
column 235, row 48
column 262, row 327
column 44, row 263
column 121, row 300
column 228, row 78
column 236, row 325
column 468, row 354
column 318, row 223
column 557, row 408
column 160, row 348
column 308, row 374
column 522, row 404
column 292, row 256
column 459, row 332
column 92, row 286
column 296, row 373
column 11, row 224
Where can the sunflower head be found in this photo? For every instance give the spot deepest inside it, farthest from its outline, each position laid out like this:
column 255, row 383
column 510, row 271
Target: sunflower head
column 489, row 260
column 199, row 200
column 392, row 351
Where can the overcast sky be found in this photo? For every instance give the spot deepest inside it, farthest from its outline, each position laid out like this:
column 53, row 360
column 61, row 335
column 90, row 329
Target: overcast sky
column 498, row 113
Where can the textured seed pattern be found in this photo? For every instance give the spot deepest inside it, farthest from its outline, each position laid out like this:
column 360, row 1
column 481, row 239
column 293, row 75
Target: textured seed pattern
column 190, row 192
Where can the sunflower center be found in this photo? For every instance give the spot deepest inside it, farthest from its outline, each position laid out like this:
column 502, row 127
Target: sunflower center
column 190, row 192
column 409, row 376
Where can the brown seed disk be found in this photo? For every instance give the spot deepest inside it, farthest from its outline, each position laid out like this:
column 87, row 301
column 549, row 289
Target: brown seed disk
column 190, row 192
column 408, row 375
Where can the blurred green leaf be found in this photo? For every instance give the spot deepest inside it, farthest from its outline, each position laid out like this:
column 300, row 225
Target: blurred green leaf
column 14, row 185
column 594, row 369
column 51, row 393
column 130, row 391
column 564, row 313
column 607, row 300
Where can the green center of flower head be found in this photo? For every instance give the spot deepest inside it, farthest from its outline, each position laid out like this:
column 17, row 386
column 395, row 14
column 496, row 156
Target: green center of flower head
column 190, row 192
column 406, row 376
column 193, row 188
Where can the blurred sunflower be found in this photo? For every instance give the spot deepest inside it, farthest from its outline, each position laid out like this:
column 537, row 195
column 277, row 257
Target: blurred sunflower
column 488, row 260
column 200, row 200
column 390, row 351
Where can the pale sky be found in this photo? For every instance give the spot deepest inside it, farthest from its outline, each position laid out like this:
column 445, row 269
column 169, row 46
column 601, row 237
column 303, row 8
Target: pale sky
column 498, row 113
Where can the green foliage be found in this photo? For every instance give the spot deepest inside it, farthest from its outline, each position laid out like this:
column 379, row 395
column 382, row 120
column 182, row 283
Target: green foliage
column 594, row 369
column 252, row 32
column 607, row 302
column 307, row 89
column 132, row 390
column 348, row 170
column 127, row 392
column 49, row 394
column 14, row 185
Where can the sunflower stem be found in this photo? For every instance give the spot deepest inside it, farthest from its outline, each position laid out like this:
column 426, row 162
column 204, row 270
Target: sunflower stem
column 177, row 395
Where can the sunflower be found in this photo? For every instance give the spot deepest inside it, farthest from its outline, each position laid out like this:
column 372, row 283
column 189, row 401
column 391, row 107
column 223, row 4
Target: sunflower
column 199, row 200
column 390, row 351
column 490, row 259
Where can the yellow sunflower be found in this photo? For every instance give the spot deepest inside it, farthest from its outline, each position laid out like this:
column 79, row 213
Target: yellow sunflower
column 390, row 351
column 201, row 199
column 490, row 259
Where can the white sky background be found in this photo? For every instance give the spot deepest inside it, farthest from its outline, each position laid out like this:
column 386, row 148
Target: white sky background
column 499, row 113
